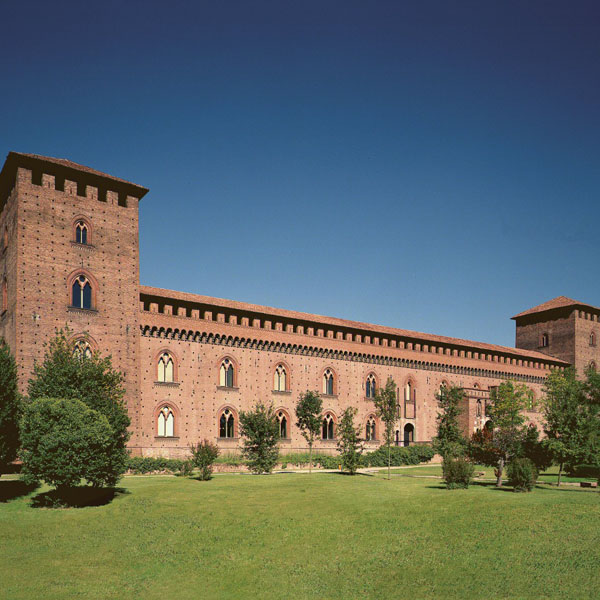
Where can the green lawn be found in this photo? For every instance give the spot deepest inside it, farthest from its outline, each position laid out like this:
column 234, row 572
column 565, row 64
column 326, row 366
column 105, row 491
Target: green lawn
column 300, row 536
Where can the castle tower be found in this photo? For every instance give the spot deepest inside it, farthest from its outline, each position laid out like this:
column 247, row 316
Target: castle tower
column 69, row 257
column 562, row 328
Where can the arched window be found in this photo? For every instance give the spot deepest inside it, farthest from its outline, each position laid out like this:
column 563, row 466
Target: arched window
column 409, row 434
column 166, row 422
column 593, row 338
column 165, row 368
column 283, row 424
column 81, row 232
column 328, row 382
column 410, row 400
column 82, row 349
column 227, row 424
column 479, row 408
column 370, row 429
column 82, row 293
column 544, row 340
column 226, row 375
column 328, row 427
column 280, row 379
column 371, row 386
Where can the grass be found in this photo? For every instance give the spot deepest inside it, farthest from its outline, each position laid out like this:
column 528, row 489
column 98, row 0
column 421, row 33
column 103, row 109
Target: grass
column 301, row 536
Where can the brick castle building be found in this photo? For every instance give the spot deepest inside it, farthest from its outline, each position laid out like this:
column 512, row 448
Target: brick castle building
column 69, row 255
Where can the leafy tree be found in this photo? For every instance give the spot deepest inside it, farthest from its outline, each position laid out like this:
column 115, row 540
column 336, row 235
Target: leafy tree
column 308, row 413
column 449, row 440
column 260, row 429
column 204, row 455
column 385, row 406
column 535, row 449
column 507, row 401
column 350, row 445
column 571, row 417
column 64, row 441
column 10, row 407
column 65, row 373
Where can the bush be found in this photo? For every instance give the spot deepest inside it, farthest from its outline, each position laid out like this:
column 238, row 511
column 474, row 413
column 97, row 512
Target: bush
column 260, row 430
column 204, row 455
column 522, row 474
column 588, row 471
column 64, row 441
column 457, row 472
column 141, row 465
column 186, row 469
column 401, row 455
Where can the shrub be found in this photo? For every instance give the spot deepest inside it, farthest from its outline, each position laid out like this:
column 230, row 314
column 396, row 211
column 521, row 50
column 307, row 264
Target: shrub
column 204, row 455
column 457, row 472
column 588, row 471
column 400, row 455
column 141, row 465
column 522, row 474
column 260, row 430
column 186, row 469
column 65, row 441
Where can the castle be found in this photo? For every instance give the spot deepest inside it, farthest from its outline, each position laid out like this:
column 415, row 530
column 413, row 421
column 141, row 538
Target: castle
column 69, row 255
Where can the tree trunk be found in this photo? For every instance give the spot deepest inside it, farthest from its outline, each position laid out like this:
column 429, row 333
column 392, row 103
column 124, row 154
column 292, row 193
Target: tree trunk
column 500, row 471
column 310, row 458
column 389, row 460
column 560, row 466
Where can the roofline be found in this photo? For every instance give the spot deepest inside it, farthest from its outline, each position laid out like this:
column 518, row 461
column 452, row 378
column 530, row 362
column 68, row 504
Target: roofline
column 556, row 309
column 53, row 166
column 334, row 321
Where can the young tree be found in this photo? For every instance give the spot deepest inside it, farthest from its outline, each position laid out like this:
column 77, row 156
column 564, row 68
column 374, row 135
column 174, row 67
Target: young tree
column 568, row 421
column 260, row 430
column 449, row 441
column 308, row 413
column 10, row 407
column 350, row 445
column 385, row 406
column 507, row 401
column 66, row 373
column 204, row 455
column 65, row 441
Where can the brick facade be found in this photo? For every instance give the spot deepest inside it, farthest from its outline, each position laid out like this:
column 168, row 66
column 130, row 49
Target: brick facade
column 41, row 200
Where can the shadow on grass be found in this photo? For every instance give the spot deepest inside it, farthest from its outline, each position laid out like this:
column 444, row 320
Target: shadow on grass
column 77, row 497
column 11, row 489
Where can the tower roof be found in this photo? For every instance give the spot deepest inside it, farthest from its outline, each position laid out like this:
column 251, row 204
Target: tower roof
column 558, row 302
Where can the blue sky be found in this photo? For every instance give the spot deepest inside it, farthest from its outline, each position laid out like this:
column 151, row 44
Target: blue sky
column 426, row 165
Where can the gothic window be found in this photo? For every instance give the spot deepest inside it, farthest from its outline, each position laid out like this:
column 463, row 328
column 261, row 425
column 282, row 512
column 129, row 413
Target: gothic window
column 283, row 424
column 226, row 375
column 166, row 368
column 410, row 400
column 479, row 408
column 81, row 232
column 227, row 424
column 280, row 379
column 370, row 430
column 82, row 349
column 544, row 340
column 166, row 422
column 593, row 338
column 328, row 383
column 328, row 427
column 82, row 293
column 370, row 386
column 409, row 434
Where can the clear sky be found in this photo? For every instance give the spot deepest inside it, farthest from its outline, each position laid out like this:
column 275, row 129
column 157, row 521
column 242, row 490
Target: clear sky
column 426, row 165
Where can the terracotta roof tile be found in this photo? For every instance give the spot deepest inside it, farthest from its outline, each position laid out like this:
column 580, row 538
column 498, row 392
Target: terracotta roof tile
column 558, row 302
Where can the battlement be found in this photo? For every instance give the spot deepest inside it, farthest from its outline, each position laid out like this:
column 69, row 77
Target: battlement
column 65, row 176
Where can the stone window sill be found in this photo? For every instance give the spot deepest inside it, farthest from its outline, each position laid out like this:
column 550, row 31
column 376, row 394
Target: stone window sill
column 228, row 439
column 281, row 392
column 328, row 395
column 329, row 439
column 166, row 437
column 227, row 388
column 83, row 246
column 167, row 383
column 81, row 310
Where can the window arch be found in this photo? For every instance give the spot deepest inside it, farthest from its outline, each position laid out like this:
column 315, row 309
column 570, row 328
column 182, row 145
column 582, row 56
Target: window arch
column 82, row 349
column 81, row 292
column 227, row 423
column 328, row 429
column 593, row 338
column 284, row 424
column 82, row 232
column 165, row 368
column 409, row 434
column 479, row 409
column 328, row 382
column 370, row 431
column 410, row 400
column 371, row 386
column 165, row 422
column 280, row 378
column 227, row 373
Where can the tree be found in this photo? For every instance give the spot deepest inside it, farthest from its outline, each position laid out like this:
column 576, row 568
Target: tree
column 570, row 417
column 507, row 401
column 260, row 429
column 204, row 455
column 385, row 406
column 308, row 413
column 66, row 373
column 10, row 407
column 64, row 441
column 449, row 441
column 350, row 445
